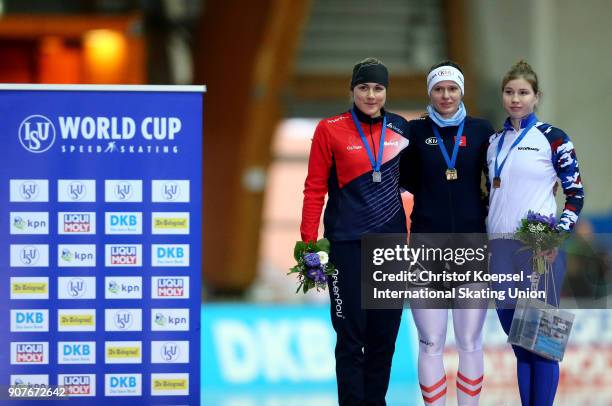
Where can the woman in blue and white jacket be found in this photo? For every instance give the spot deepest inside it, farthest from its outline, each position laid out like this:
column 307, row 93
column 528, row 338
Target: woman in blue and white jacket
column 525, row 159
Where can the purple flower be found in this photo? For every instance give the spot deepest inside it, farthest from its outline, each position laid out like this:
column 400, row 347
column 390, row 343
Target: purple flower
column 549, row 220
column 312, row 260
column 317, row 274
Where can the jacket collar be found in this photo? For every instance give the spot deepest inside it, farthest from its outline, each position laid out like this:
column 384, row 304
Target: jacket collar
column 364, row 118
column 525, row 122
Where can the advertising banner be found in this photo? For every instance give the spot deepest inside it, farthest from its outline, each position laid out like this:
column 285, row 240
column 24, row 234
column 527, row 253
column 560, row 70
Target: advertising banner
column 100, row 226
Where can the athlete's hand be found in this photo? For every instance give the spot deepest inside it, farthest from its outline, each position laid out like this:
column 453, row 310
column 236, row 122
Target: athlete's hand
column 549, row 255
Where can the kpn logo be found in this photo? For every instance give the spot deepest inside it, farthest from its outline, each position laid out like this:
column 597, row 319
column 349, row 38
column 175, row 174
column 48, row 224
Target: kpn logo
column 123, row 287
column 169, row 319
column 36, row 133
column 29, row 223
column 76, row 255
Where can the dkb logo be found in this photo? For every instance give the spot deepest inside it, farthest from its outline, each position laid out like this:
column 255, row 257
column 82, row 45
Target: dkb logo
column 36, row 133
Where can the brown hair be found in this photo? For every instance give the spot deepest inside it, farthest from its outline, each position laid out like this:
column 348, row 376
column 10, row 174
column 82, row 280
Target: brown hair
column 523, row 70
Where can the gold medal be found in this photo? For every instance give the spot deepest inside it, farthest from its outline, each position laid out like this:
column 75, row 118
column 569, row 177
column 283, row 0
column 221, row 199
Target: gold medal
column 451, row 174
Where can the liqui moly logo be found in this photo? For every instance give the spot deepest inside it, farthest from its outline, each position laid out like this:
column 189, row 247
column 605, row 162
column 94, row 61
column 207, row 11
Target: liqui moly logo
column 166, row 287
column 78, row 385
column 36, row 133
column 76, row 222
column 123, row 255
column 29, row 353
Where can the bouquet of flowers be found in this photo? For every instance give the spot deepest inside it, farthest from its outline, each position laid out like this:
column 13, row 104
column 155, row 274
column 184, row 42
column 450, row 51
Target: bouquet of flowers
column 539, row 233
column 313, row 266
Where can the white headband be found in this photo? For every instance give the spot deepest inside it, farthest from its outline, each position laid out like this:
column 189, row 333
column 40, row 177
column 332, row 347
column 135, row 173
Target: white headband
column 444, row 73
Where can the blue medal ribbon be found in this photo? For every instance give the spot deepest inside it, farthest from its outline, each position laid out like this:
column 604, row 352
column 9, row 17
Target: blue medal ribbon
column 498, row 168
column 375, row 163
column 450, row 161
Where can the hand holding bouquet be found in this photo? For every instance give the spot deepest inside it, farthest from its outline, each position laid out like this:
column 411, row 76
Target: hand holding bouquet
column 313, row 266
column 539, row 233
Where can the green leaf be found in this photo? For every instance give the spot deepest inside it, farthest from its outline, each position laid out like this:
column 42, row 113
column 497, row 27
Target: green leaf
column 298, row 250
column 305, row 288
column 323, row 245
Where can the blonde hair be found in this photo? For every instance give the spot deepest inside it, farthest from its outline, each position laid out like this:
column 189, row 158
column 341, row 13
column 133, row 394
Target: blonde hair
column 523, row 70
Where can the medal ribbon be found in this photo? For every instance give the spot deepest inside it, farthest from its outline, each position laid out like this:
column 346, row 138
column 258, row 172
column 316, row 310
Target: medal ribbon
column 450, row 162
column 375, row 164
column 498, row 168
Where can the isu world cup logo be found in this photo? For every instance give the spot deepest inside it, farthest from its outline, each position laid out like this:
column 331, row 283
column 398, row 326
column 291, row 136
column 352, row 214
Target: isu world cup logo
column 36, row 134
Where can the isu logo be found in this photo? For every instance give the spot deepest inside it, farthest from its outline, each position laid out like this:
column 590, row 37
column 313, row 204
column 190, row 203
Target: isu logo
column 36, row 134
column 123, row 319
column 123, row 191
column 171, row 191
column 29, row 255
column 77, row 385
column 76, row 287
column 123, row 255
column 29, row 353
column 76, row 190
column 28, row 190
column 169, row 352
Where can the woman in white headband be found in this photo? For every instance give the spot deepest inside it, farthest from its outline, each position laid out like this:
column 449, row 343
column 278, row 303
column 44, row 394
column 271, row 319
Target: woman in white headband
column 442, row 168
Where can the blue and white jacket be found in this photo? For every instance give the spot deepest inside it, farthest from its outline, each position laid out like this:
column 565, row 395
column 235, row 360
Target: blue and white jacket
column 530, row 174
